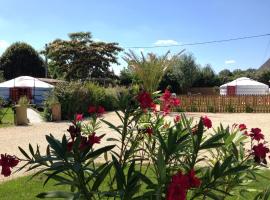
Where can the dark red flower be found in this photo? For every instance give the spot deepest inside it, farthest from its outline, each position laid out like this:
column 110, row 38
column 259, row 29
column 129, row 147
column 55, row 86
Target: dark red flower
column 194, row 181
column 101, row 110
column 93, row 139
column 177, row 118
column 180, row 184
column 8, row 162
column 168, row 102
column 176, row 101
column 70, row 146
column 92, row 109
column 206, row 122
column 166, row 95
column 84, row 143
column 260, row 152
column 79, row 117
column 145, row 100
column 242, row 127
column 256, row 134
column 74, row 131
column 149, row 131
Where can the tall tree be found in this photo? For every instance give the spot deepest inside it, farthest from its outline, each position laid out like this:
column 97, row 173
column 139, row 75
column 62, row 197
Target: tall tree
column 149, row 68
column 81, row 57
column 206, row 77
column 21, row 59
column 181, row 76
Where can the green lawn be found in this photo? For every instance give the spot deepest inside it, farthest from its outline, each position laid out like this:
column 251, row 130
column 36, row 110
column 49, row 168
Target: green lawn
column 8, row 117
column 21, row 188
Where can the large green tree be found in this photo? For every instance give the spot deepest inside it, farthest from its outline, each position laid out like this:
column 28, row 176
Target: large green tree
column 81, row 58
column 181, row 76
column 21, row 59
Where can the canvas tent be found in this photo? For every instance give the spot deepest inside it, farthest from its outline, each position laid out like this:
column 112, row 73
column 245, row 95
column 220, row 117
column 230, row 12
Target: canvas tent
column 33, row 88
column 244, row 86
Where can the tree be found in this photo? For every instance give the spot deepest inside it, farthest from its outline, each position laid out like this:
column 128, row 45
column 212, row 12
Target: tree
column 181, row 76
column 81, row 57
column 206, row 77
column 150, row 68
column 20, row 59
column 263, row 76
column 225, row 75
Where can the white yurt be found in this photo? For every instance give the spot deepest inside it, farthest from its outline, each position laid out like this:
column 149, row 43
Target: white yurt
column 33, row 88
column 244, row 86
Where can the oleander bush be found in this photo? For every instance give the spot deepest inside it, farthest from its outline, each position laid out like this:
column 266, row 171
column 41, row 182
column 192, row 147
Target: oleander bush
column 187, row 159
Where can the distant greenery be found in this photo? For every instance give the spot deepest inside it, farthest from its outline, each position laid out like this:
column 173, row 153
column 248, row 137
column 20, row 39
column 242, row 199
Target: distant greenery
column 21, row 59
column 6, row 117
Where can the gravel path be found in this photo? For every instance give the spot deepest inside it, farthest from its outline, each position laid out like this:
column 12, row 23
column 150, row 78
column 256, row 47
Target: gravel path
column 12, row 137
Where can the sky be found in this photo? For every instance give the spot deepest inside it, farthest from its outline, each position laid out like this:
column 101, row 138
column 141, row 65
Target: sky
column 144, row 23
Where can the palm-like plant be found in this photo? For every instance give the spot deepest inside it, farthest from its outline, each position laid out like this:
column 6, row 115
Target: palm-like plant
column 150, row 68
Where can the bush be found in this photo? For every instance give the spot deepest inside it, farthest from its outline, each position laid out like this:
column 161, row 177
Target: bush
column 75, row 97
column 187, row 159
column 249, row 109
column 229, row 108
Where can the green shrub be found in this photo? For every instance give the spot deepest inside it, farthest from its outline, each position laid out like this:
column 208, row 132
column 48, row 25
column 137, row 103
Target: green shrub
column 211, row 109
column 229, row 108
column 47, row 112
column 249, row 109
column 75, row 97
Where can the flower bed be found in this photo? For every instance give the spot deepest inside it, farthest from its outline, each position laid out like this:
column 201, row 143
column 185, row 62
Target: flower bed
column 187, row 160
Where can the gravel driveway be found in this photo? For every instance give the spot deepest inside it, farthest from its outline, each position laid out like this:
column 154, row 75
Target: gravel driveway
column 12, row 137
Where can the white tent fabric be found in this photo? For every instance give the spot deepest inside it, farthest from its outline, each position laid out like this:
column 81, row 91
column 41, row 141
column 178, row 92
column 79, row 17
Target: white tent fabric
column 39, row 88
column 246, row 86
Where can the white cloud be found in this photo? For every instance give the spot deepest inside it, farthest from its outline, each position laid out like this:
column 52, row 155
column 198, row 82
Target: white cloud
column 228, row 62
column 165, row 42
column 3, row 44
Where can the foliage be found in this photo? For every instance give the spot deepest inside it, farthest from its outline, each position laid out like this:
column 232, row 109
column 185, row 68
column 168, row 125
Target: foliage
column 126, row 77
column 50, row 100
column 181, row 76
column 206, row 77
column 150, row 68
column 20, row 59
column 75, row 97
column 81, row 57
column 187, row 159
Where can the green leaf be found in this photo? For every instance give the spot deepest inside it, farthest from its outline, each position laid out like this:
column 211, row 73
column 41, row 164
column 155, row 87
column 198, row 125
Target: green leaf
column 24, row 153
column 120, row 176
column 56, row 194
column 98, row 152
column 214, row 139
column 55, row 145
column 101, row 177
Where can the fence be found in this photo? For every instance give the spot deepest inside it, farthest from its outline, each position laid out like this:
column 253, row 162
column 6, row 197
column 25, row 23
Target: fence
column 215, row 103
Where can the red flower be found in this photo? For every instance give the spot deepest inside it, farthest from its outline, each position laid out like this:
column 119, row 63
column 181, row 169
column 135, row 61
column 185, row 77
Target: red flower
column 92, row 109
column 145, row 100
column 74, row 131
column 260, row 152
column 8, row 162
column 177, row 118
column 168, row 101
column 242, row 127
column 206, row 122
column 93, row 139
column 256, row 134
column 101, row 110
column 70, row 146
column 180, row 184
column 149, row 131
column 193, row 180
column 79, row 117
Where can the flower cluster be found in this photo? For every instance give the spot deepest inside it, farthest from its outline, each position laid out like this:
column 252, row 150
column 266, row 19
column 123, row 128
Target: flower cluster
column 8, row 162
column 93, row 110
column 146, row 101
column 169, row 101
column 180, row 184
column 206, row 122
column 259, row 151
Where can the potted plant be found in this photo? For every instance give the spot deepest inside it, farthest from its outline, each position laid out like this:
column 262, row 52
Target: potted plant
column 21, row 111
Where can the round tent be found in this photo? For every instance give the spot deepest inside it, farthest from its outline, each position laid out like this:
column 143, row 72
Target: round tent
column 35, row 89
column 244, row 86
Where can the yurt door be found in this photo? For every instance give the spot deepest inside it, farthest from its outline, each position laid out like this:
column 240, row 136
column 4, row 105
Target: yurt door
column 231, row 90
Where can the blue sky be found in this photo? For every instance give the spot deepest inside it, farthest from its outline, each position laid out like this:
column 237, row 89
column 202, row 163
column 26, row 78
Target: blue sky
column 147, row 23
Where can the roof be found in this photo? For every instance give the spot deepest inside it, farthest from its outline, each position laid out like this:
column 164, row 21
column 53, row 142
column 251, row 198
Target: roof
column 244, row 81
column 50, row 80
column 25, row 81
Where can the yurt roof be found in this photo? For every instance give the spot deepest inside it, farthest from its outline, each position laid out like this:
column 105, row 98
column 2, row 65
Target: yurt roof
column 25, row 81
column 244, row 81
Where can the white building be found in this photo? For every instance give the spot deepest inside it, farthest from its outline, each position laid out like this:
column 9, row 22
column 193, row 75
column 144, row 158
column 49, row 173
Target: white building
column 33, row 88
column 244, row 86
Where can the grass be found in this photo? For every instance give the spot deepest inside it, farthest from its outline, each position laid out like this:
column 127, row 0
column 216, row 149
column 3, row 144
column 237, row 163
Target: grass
column 22, row 188
column 7, row 116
